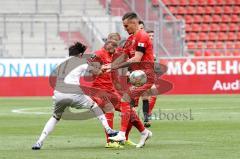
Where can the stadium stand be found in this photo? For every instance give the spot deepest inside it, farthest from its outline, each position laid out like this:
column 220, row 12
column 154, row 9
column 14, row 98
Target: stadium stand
column 40, row 28
column 211, row 25
column 117, row 7
column 77, row 7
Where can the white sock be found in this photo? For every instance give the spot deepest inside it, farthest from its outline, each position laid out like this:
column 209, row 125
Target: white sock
column 50, row 125
column 144, row 132
column 104, row 122
column 100, row 115
column 122, row 133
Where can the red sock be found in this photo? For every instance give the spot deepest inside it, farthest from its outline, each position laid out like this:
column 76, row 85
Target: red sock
column 109, row 117
column 136, row 121
column 152, row 102
column 129, row 128
column 125, row 116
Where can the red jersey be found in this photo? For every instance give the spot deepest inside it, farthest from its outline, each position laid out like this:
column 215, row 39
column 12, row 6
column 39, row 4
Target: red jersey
column 142, row 43
column 104, row 80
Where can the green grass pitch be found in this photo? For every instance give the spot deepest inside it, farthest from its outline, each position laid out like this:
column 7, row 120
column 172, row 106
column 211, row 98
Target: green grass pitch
column 214, row 132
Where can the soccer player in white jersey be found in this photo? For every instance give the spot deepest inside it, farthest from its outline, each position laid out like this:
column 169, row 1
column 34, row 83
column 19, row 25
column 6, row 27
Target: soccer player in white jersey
column 68, row 93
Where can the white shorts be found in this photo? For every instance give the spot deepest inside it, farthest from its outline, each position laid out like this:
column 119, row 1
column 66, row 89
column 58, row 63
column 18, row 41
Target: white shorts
column 63, row 100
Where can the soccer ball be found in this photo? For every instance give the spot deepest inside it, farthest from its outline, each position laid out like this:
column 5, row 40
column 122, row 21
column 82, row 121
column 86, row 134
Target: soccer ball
column 138, row 78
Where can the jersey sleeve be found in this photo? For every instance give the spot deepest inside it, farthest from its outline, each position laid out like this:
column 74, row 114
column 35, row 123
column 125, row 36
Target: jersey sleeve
column 142, row 42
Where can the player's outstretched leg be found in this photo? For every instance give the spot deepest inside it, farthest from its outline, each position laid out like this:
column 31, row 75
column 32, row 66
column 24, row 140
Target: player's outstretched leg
column 50, row 125
column 125, row 117
column 102, row 118
column 145, row 133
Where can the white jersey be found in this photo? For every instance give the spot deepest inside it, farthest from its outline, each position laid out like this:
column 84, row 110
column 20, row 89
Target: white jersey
column 67, row 90
column 68, row 76
column 74, row 76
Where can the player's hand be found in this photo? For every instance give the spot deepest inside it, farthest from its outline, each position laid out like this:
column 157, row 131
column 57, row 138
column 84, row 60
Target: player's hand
column 106, row 68
column 132, row 88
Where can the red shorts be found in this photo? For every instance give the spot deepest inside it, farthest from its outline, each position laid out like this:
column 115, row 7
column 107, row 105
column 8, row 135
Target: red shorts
column 103, row 97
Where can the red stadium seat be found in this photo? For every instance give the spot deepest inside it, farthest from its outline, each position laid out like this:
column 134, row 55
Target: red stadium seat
column 228, row 53
column 236, row 53
column 205, row 27
column 155, row 3
column 197, row 53
column 172, row 10
column 237, row 45
column 211, row 2
column 200, row 45
column 229, row 45
column 235, row 18
column 232, row 36
column 223, row 27
column 191, row 37
column 228, row 10
column 203, row 36
column 216, row 19
column 174, row 2
column 207, row 53
column 217, row 53
column 222, row 36
column 212, row 36
column 181, row 11
column 207, row 19
column 230, row 2
column 188, row 19
column 210, row 45
column 226, row 19
column 220, row 2
column 183, row 2
column 209, row 10
column 188, row 28
column 191, row 45
column 233, row 27
column 237, row 2
column 218, row 10
column 220, row 45
column 238, row 36
column 214, row 28
column 193, row 2
column 191, row 10
column 236, row 10
column 200, row 10
column 178, row 17
column 202, row 2
column 196, row 28
column 197, row 19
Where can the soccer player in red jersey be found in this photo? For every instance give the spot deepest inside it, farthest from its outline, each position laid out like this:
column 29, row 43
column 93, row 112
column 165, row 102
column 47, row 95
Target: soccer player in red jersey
column 138, row 48
column 149, row 102
column 104, row 81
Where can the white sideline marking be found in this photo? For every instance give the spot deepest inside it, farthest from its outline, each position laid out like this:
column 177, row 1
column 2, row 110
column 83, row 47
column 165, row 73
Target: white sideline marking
column 26, row 111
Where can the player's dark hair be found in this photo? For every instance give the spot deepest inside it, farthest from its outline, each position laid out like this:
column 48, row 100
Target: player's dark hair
column 76, row 49
column 129, row 15
column 150, row 31
column 141, row 22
